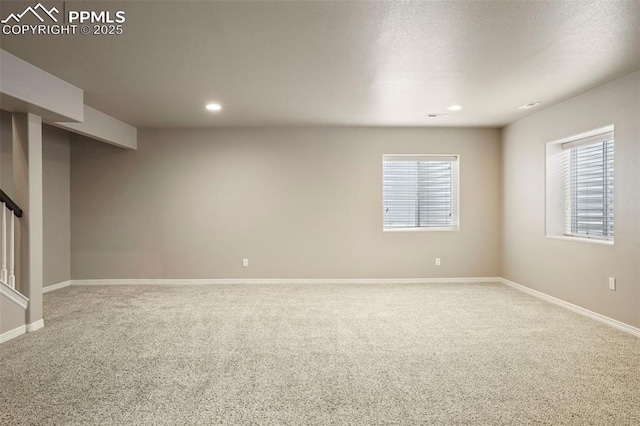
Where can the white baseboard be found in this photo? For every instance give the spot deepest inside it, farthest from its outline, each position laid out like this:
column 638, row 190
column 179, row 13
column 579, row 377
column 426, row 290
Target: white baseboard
column 35, row 326
column 19, row 331
column 574, row 308
column 225, row 281
column 57, row 286
column 12, row 334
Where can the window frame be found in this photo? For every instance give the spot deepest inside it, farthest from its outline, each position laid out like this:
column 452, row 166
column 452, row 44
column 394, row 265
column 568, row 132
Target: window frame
column 455, row 226
column 558, row 185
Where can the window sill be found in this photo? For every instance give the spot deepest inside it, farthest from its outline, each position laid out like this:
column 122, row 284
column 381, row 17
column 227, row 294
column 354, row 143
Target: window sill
column 581, row 240
column 422, row 229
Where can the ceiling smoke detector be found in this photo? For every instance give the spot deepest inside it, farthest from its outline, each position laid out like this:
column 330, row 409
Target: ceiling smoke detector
column 529, row 105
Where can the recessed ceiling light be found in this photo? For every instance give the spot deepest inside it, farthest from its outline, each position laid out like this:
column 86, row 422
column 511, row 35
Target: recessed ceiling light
column 455, row 108
column 214, row 107
column 529, row 105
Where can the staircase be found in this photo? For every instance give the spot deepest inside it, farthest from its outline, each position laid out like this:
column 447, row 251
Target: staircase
column 10, row 212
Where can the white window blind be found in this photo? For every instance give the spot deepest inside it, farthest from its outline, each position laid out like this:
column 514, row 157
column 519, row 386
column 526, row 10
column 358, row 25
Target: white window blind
column 420, row 192
column 591, row 187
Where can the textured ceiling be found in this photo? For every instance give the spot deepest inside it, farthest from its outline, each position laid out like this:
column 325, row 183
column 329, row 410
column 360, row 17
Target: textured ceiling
column 339, row 62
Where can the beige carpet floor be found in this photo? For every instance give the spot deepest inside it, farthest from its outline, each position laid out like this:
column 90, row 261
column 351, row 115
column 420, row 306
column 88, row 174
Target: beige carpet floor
column 316, row 354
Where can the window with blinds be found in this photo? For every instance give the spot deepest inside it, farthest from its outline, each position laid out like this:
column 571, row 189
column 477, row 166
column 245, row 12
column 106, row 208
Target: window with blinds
column 590, row 190
column 420, row 192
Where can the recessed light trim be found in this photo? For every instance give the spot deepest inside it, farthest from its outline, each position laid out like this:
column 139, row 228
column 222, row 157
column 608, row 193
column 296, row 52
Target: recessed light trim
column 455, row 108
column 529, row 105
column 213, row 106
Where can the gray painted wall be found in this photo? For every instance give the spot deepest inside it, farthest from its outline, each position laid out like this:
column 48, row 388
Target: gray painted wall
column 298, row 203
column 57, row 205
column 576, row 272
column 6, row 153
column 12, row 316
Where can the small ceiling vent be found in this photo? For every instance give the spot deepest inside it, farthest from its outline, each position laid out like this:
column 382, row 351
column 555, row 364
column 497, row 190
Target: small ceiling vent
column 437, row 115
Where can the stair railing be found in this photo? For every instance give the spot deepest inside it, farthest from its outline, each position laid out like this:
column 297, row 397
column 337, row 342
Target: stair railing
column 10, row 211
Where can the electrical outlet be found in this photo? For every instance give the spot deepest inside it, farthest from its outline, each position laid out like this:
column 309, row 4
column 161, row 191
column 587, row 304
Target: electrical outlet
column 245, row 263
column 437, row 261
column 612, row 283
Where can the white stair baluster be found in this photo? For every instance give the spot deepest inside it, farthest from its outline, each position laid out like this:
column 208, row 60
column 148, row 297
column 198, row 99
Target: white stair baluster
column 3, row 271
column 12, row 253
